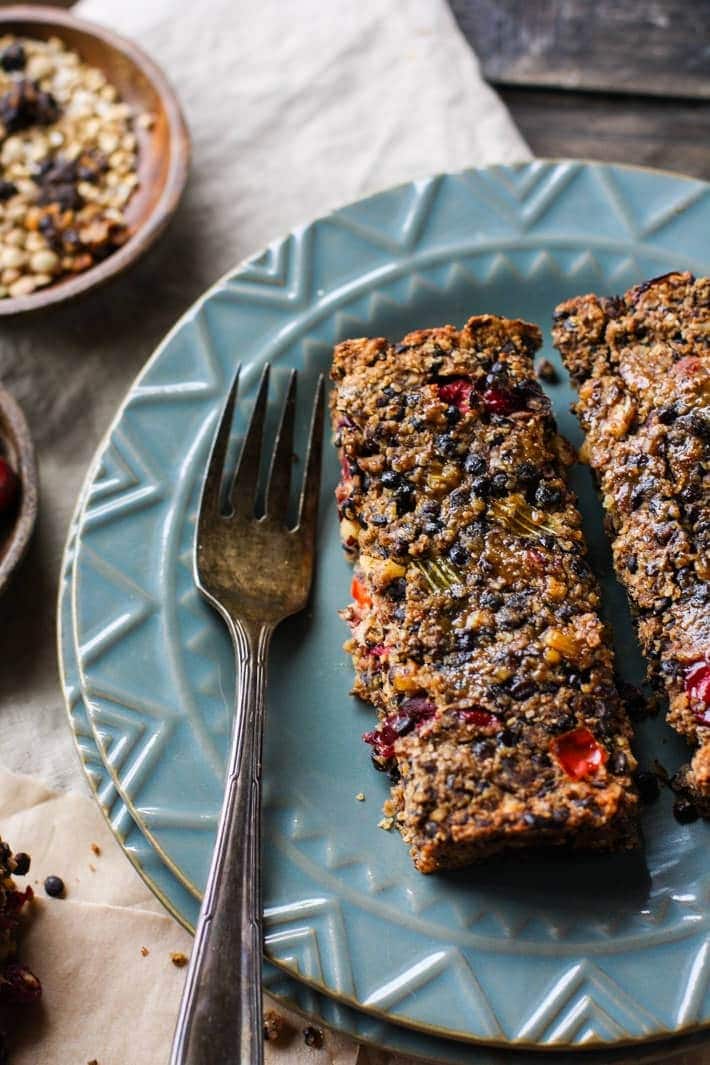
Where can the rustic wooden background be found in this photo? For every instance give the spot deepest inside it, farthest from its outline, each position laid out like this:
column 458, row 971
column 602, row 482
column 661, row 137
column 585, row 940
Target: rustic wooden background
column 619, row 80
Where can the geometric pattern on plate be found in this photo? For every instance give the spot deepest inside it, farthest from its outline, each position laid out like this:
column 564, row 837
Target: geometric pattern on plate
column 157, row 687
column 301, row 945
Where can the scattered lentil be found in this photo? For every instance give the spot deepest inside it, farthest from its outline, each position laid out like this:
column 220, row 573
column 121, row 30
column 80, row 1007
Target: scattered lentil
column 546, row 371
column 313, row 1037
column 21, row 864
column 54, row 887
column 179, row 959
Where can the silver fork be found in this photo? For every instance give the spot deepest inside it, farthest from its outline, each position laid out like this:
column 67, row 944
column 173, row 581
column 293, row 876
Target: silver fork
column 255, row 571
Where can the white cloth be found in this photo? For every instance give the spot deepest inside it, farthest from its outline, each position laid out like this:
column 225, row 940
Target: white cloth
column 294, row 108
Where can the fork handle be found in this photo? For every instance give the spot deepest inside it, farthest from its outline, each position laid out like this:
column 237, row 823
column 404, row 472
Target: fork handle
column 220, row 1020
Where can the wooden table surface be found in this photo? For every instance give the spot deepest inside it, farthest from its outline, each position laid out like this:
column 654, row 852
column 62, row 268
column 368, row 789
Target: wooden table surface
column 617, row 80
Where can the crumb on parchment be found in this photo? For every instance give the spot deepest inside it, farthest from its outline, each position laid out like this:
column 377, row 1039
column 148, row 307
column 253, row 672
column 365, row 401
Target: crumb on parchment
column 276, row 1027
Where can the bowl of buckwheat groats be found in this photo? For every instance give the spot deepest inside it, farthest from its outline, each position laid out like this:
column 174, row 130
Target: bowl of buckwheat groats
column 94, row 154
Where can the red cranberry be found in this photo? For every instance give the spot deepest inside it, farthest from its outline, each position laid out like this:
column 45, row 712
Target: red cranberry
column 457, row 392
column 420, row 708
column 578, row 753
column 382, row 741
column 697, row 685
column 345, row 474
column 688, row 366
column 413, row 713
column 15, row 900
column 499, row 400
column 9, row 485
column 477, row 716
column 535, row 559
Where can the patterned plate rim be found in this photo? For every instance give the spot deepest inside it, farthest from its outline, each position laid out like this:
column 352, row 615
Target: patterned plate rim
column 465, row 1037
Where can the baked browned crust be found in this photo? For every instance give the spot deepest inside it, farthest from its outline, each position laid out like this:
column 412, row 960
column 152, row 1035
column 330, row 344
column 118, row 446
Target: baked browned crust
column 475, row 630
column 642, row 366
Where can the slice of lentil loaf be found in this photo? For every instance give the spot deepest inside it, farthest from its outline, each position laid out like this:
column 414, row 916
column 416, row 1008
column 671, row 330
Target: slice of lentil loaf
column 641, row 363
column 475, row 630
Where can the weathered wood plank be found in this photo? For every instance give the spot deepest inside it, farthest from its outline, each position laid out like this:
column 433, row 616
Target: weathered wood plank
column 659, row 47
column 624, row 129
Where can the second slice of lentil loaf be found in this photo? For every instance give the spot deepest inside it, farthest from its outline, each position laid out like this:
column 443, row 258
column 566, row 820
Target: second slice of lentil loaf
column 641, row 363
column 475, row 630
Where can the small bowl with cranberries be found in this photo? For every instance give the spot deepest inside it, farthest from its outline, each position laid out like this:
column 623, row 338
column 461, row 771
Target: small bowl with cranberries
column 18, row 486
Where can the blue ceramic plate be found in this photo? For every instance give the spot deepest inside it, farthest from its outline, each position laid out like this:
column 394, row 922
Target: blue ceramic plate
column 313, row 1004
column 595, row 950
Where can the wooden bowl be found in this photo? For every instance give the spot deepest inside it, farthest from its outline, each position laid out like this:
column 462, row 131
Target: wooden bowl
column 163, row 150
column 17, row 448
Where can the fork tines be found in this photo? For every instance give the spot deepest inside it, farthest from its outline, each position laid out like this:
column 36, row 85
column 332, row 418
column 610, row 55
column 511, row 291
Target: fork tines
column 242, row 496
